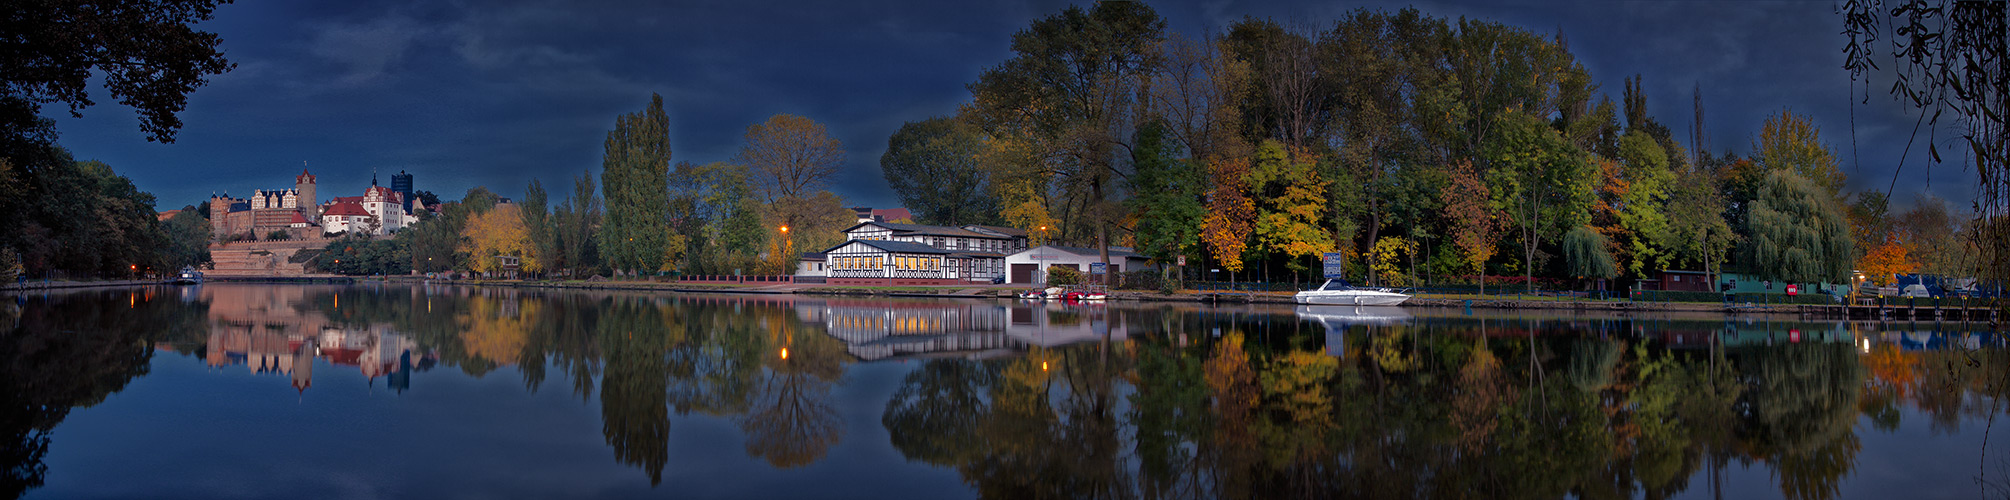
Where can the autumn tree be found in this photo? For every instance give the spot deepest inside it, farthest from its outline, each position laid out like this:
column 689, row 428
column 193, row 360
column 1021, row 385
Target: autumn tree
column 499, row 232
column 790, row 156
column 634, row 176
column 1294, row 203
column 934, row 165
column 1884, row 261
column 1231, row 214
column 1476, row 226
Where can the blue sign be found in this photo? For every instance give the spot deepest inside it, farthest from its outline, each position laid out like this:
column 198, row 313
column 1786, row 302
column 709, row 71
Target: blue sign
column 1098, row 267
column 1335, row 266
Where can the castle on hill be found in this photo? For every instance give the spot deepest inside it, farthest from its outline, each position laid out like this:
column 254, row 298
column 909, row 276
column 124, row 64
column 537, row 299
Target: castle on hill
column 299, row 213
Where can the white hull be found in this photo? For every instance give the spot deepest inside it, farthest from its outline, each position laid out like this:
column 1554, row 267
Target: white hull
column 1349, row 298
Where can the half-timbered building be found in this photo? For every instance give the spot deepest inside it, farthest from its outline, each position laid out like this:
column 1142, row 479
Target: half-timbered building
column 886, row 253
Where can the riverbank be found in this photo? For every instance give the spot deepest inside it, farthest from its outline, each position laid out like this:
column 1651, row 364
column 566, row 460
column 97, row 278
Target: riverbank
column 35, row 286
column 988, row 291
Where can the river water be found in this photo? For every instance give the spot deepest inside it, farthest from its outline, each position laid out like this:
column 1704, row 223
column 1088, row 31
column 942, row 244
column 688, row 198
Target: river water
column 367, row 391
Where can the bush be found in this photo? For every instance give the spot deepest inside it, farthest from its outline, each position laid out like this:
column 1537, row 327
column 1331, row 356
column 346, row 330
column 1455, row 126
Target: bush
column 1063, row 276
column 10, row 265
column 278, row 235
column 1144, row 279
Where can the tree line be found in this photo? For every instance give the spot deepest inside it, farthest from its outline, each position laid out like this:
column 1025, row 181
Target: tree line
column 1420, row 148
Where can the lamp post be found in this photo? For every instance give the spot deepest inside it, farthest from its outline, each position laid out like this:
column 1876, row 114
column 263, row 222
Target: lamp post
column 788, row 246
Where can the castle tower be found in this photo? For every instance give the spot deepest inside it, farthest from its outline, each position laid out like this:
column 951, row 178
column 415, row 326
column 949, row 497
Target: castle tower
column 219, row 208
column 309, row 205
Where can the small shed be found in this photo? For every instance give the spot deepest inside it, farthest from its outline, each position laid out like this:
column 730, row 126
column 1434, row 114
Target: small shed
column 1030, row 265
column 1683, row 281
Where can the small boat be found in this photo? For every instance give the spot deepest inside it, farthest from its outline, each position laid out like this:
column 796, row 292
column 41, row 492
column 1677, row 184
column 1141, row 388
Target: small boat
column 1086, row 293
column 1041, row 294
column 188, row 276
column 1338, row 292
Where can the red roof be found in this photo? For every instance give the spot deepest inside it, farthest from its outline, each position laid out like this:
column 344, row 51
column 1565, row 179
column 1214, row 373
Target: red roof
column 893, row 214
column 345, row 208
column 347, row 199
column 298, row 219
column 304, row 177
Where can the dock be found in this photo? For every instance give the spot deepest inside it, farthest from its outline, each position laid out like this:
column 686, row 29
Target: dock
column 1909, row 309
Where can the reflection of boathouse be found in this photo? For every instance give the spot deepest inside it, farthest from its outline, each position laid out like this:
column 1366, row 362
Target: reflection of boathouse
column 882, row 329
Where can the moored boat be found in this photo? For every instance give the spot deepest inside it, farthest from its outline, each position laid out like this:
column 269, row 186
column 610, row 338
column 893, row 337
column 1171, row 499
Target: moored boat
column 188, row 276
column 1338, row 292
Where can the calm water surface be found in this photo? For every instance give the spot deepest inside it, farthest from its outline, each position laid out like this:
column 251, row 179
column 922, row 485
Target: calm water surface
column 257, row 391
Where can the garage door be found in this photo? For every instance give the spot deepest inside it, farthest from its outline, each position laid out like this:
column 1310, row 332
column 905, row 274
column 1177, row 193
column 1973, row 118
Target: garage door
column 1023, row 273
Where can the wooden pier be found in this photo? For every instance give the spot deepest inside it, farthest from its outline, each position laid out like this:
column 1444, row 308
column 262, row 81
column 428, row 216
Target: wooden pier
column 1908, row 309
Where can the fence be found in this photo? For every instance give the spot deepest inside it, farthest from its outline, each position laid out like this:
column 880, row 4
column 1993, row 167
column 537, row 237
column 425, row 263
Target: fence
column 730, row 278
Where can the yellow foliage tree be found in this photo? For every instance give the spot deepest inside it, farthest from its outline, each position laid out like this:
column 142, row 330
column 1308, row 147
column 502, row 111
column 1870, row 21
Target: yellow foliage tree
column 499, row 231
column 1289, row 223
column 1387, row 256
column 1026, row 209
column 1231, row 213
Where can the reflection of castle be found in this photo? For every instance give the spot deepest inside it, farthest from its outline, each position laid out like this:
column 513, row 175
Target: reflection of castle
column 880, row 329
column 262, row 329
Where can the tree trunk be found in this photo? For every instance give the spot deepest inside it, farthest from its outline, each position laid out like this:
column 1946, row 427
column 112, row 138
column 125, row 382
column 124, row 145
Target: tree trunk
column 1374, row 231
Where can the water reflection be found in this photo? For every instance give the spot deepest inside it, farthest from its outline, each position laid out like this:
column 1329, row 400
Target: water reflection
column 68, row 354
column 1052, row 400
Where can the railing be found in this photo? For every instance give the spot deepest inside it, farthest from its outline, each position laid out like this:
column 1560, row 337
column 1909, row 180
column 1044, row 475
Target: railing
column 732, row 278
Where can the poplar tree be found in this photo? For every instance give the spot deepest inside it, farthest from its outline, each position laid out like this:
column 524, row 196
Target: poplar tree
column 634, row 174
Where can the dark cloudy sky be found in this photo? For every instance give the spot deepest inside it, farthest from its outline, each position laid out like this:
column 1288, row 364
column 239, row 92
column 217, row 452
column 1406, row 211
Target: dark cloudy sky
column 496, row 93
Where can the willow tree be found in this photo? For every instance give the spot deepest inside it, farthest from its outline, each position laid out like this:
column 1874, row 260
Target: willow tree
column 634, row 176
column 1588, row 254
column 1797, row 232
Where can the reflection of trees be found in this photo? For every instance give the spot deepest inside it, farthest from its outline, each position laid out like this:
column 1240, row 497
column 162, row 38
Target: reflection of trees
column 934, row 417
column 495, row 329
column 1800, row 412
column 792, row 422
column 74, row 351
column 634, row 411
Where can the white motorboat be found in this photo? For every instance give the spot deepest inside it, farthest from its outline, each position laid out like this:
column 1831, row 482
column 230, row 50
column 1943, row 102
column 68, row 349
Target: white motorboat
column 1339, row 293
column 188, row 276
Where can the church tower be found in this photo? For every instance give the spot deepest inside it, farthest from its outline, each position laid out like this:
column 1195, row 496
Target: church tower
column 309, row 205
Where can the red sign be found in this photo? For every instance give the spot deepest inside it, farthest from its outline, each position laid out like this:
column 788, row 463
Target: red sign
column 1793, row 290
